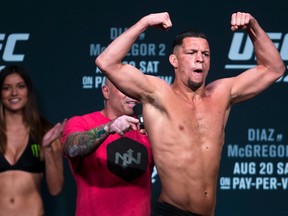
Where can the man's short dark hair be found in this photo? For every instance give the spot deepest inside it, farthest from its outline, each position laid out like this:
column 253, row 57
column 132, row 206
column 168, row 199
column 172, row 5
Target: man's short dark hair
column 190, row 33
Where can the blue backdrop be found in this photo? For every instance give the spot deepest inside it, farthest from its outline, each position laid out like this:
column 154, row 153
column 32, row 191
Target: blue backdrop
column 58, row 41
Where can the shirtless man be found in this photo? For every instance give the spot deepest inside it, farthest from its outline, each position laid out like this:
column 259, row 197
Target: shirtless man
column 188, row 136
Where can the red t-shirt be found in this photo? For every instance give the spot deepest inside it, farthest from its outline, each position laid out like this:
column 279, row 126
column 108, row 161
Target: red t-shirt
column 116, row 178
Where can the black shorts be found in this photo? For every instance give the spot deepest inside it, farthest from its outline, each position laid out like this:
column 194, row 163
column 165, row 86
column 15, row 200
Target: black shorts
column 166, row 209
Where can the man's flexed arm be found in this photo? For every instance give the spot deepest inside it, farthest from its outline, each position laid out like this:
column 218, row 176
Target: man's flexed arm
column 83, row 143
column 125, row 77
column 269, row 63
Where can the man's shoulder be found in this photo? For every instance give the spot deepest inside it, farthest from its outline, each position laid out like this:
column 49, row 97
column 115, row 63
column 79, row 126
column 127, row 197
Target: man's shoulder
column 219, row 90
column 157, row 79
column 219, row 84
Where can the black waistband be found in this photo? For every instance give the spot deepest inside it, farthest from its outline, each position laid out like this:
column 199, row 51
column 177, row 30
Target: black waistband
column 166, row 209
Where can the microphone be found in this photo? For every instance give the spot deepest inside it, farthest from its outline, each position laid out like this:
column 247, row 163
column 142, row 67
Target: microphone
column 137, row 109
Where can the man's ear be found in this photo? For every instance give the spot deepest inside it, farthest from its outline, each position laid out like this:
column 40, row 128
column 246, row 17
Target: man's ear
column 106, row 92
column 173, row 60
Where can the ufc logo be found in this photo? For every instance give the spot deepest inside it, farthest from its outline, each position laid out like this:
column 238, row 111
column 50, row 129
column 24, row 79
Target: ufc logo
column 241, row 53
column 8, row 44
column 241, row 47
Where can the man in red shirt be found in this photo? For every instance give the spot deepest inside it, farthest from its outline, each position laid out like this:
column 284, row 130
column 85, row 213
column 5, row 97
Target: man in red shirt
column 110, row 159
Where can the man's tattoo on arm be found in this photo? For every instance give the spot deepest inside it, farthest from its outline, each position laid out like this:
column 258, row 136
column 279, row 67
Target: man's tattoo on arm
column 84, row 143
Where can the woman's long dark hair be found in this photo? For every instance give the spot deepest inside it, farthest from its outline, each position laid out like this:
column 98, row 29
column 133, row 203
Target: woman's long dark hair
column 36, row 125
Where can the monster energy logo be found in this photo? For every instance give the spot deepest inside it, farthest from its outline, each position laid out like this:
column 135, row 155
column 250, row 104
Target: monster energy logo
column 127, row 158
column 35, row 150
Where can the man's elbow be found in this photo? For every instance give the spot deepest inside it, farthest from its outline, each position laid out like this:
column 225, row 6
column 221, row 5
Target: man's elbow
column 101, row 63
column 106, row 65
column 282, row 69
column 279, row 70
column 69, row 151
column 98, row 61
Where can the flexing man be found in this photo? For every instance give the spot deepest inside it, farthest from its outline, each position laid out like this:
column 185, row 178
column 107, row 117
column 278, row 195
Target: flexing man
column 185, row 121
